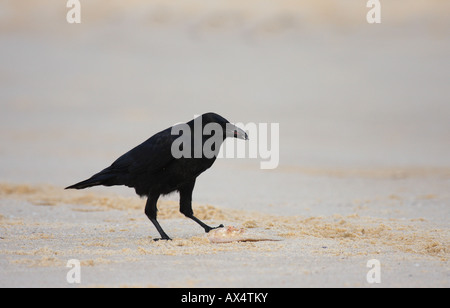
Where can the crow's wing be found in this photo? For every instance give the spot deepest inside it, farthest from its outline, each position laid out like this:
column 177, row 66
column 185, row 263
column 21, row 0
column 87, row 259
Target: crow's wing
column 149, row 157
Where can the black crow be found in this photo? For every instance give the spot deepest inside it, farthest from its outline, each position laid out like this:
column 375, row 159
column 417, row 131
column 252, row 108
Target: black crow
column 169, row 161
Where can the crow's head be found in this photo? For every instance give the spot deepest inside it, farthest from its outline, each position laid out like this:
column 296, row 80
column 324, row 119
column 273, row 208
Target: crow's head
column 230, row 130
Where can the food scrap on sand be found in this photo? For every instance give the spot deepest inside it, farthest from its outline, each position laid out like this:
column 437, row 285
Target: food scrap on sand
column 232, row 234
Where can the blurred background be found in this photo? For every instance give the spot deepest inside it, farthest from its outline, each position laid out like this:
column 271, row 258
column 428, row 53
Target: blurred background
column 347, row 94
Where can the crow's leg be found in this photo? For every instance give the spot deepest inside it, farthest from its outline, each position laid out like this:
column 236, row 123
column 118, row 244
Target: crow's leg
column 205, row 226
column 150, row 211
column 186, row 206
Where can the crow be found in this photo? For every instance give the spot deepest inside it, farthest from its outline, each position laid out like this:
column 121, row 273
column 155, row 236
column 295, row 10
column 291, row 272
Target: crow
column 156, row 168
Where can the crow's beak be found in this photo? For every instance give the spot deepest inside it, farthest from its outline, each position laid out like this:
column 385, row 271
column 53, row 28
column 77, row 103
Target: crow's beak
column 235, row 132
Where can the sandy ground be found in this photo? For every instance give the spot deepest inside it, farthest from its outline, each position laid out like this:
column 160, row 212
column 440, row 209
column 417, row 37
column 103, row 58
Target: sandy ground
column 43, row 227
column 364, row 142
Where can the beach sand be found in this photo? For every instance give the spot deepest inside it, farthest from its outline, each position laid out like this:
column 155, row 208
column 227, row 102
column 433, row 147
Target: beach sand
column 43, row 227
column 364, row 168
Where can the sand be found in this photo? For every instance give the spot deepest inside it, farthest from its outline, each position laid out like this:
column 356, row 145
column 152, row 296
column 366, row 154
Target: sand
column 364, row 168
column 43, row 227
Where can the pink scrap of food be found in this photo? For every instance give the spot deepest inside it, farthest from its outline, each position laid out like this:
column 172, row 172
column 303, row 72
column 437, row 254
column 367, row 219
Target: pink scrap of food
column 233, row 234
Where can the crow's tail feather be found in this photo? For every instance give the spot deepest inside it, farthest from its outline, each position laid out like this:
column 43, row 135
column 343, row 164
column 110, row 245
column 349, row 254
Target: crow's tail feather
column 102, row 178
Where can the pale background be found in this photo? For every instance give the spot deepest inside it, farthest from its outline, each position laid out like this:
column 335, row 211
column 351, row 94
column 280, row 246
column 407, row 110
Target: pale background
column 364, row 111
